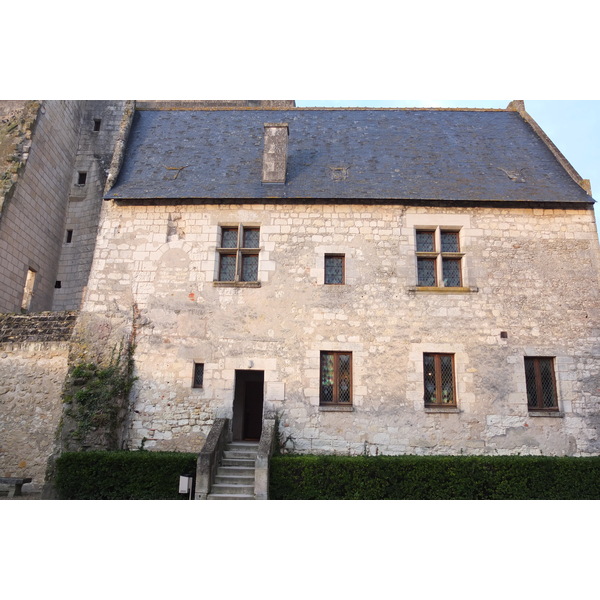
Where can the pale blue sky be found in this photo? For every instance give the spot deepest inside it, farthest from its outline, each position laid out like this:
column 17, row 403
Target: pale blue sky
column 573, row 126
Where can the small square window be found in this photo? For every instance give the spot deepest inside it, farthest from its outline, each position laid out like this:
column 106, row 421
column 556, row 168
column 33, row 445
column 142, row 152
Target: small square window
column 541, row 383
column 334, row 269
column 198, row 380
column 57, row 285
column 81, row 177
column 97, row 124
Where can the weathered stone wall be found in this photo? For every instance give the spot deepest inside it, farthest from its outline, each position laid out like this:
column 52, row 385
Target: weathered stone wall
column 94, row 155
column 33, row 215
column 531, row 273
column 34, row 352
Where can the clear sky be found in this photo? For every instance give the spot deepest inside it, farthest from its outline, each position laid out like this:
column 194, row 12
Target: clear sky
column 573, row 126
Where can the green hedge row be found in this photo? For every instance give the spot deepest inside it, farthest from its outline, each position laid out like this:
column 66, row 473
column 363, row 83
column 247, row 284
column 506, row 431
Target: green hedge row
column 122, row 475
column 434, row 478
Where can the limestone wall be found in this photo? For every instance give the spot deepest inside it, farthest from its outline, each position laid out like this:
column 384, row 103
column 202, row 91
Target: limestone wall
column 530, row 273
column 33, row 365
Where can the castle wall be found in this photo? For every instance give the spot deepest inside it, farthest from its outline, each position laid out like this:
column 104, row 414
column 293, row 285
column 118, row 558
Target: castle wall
column 99, row 126
column 530, row 281
column 33, row 217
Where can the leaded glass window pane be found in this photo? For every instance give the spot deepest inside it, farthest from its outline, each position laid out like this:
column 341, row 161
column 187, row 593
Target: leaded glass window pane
column 198, row 375
column 547, row 382
column 429, row 378
column 426, row 272
column 450, row 241
column 227, row 267
column 327, row 376
column 447, row 378
column 344, row 378
column 334, row 269
column 451, row 272
column 251, row 238
column 530, row 383
column 229, row 237
column 425, row 241
column 249, row 267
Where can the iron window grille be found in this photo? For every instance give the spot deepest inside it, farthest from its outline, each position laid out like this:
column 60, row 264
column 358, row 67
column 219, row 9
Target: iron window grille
column 238, row 253
column 198, row 377
column 335, row 269
column 541, row 383
column 438, row 380
column 439, row 258
column 336, row 378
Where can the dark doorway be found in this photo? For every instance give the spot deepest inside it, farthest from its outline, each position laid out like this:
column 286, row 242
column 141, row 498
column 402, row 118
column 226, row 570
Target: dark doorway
column 248, row 405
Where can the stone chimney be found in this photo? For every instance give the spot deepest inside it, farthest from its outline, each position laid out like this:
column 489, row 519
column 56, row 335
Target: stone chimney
column 275, row 153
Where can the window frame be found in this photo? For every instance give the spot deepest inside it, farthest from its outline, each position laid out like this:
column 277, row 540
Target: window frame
column 240, row 252
column 198, row 369
column 330, row 256
column 437, row 356
column 336, row 379
column 536, row 360
column 439, row 256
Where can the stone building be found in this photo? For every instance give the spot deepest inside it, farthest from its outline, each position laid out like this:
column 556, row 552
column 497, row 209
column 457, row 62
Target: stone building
column 396, row 281
column 383, row 281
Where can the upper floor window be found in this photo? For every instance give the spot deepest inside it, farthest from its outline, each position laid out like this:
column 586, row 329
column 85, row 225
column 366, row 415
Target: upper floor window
column 336, row 378
column 334, row 269
column 238, row 253
column 438, row 379
column 541, row 383
column 439, row 258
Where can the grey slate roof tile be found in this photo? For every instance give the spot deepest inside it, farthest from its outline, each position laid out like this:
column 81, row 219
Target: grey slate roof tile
column 343, row 153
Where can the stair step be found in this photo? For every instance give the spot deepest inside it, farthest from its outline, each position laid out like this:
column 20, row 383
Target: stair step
column 232, row 488
column 230, row 497
column 235, row 472
column 234, row 479
column 247, row 463
column 241, row 452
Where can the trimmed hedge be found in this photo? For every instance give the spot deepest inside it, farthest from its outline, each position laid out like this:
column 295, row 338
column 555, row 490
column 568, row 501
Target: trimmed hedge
column 122, row 475
column 434, row 478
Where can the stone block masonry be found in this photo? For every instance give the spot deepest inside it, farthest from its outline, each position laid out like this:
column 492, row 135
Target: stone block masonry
column 530, row 273
column 34, row 352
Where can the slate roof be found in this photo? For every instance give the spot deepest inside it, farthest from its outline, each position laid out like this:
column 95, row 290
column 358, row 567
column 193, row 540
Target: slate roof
column 371, row 154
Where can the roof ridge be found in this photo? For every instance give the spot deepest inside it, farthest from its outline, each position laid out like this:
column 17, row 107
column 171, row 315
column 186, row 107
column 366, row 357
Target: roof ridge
column 319, row 108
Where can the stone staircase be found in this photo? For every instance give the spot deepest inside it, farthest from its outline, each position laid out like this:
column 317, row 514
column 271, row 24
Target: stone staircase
column 235, row 475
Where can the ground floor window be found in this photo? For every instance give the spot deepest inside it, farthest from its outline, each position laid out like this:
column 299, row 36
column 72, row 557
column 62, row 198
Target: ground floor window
column 336, row 378
column 438, row 379
column 541, row 383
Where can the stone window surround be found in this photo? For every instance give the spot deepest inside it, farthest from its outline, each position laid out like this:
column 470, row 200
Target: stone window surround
column 312, row 370
column 564, row 379
column 440, row 221
column 317, row 272
column 265, row 265
column 414, row 392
